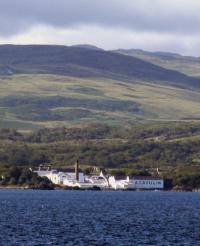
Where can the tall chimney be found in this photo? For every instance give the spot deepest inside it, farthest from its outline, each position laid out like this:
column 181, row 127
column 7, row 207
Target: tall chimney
column 77, row 171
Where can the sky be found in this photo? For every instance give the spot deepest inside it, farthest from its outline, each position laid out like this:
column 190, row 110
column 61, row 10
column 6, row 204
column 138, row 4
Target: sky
column 153, row 25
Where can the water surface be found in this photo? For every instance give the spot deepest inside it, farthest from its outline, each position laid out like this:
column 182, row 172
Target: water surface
column 99, row 218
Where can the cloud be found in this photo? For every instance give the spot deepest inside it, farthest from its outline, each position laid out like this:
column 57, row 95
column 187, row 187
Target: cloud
column 150, row 24
column 107, row 38
column 157, row 15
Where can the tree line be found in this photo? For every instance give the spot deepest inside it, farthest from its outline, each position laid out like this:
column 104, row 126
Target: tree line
column 132, row 147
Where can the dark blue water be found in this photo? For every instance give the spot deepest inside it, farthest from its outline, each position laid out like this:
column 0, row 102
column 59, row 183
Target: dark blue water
column 99, row 218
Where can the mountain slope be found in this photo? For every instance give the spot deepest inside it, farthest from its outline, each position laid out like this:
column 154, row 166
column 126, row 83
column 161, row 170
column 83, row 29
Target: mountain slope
column 81, row 62
column 184, row 64
column 57, row 85
column 35, row 101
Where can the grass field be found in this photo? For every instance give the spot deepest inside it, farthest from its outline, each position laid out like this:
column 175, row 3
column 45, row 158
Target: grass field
column 35, row 101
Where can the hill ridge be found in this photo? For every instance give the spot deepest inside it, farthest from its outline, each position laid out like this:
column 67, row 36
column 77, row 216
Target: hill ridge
column 81, row 62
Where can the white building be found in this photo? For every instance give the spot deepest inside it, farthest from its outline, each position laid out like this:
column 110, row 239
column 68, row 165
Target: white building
column 100, row 181
column 74, row 179
column 148, row 182
column 78, row 179
column 121, row 184
column 137, row 182
column 65, row 178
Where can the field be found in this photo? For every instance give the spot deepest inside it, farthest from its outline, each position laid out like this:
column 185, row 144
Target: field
column 34, row 101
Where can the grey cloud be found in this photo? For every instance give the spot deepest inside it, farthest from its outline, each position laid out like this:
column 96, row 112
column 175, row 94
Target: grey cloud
column 180, row 16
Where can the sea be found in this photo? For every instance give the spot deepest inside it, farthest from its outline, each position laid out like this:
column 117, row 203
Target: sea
column 35, row 217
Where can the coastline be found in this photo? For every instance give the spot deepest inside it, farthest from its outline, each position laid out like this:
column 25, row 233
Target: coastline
column 15, row 187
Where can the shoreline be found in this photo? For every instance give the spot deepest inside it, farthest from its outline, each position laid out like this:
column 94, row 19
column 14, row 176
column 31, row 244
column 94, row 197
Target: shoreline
column 91, row 189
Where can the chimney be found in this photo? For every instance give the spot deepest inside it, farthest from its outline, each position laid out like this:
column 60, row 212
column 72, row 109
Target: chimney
column 77, row 171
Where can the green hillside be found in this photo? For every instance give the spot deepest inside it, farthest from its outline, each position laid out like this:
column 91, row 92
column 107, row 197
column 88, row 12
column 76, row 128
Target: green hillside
column 87, row 63
column 50, row 86
column 108, row 110
column 172, row 147
column 35, row 101
column 184, row 64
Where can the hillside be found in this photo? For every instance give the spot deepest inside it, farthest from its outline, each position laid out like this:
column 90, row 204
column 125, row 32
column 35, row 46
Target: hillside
column 82, row 62
column 35, row 101
column 173, row 148
column 50, row 86
column 132, row 146
column 184, row 64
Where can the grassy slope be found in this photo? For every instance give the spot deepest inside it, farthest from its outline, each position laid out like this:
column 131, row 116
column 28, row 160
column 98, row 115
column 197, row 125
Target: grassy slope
column 34, row 101
column 183, row 64
column 87, row 63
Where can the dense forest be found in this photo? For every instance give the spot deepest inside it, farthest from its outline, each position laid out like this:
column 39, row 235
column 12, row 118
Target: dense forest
column 173, row 148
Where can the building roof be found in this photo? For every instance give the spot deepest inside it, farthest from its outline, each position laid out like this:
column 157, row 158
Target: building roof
column 146, row 178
